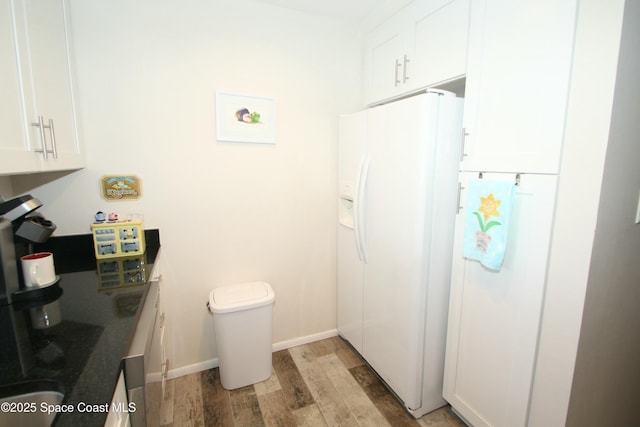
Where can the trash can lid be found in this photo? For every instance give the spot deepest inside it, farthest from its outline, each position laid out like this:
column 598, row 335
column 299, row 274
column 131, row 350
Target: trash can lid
column 227, row 299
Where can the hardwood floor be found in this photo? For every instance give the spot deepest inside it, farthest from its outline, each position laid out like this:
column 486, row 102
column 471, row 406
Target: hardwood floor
column 323, row 383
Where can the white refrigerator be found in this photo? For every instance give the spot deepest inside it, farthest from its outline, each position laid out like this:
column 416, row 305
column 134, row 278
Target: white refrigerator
column 398, row 167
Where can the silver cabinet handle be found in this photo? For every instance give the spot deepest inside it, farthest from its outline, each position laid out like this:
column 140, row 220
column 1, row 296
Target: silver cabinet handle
column 40, row 124
column 404, row 70
column 54, row 147
column 464, row 141
column 52, row 133
column 398, row 65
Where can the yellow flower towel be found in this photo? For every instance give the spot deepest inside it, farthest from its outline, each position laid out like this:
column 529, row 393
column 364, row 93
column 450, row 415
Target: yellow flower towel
column 487, row 220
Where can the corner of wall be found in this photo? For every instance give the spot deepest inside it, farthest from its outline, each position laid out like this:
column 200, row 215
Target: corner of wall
column 6, row 187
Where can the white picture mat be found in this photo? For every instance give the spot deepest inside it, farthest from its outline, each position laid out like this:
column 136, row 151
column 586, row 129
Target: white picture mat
column 230, row 128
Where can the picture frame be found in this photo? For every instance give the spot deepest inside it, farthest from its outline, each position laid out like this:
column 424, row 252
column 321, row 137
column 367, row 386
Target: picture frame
column 120, row 187
column 244, row 118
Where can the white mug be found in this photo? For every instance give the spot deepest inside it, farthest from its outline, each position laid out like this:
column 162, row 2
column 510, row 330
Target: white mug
column 38, row 269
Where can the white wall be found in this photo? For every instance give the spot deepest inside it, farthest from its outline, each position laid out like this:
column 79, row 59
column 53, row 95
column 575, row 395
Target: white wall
column 227, row 213
column 6, row 187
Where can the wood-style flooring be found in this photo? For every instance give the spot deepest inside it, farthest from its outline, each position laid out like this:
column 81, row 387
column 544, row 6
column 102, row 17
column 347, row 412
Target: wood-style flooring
column 324, row 383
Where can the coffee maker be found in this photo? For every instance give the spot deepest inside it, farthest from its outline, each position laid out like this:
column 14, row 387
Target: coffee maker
column 20, row 227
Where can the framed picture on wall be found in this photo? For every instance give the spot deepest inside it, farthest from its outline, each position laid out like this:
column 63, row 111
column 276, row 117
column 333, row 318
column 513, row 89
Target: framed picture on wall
column 243, row 118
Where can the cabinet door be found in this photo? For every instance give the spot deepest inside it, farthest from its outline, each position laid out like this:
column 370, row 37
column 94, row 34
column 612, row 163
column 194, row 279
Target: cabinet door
column 519, row 64
column 158, row 359
column 15, row 154
column 440, row 32
column 118, row 415
column 44, row 41
column 386, row 59
column 158, row 362
column 494, row 316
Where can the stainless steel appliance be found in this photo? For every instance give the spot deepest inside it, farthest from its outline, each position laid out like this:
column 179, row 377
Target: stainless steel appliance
column 20, row 227
column 8, row 266
column 77, row 332
column 23, row 311
column 136, row 362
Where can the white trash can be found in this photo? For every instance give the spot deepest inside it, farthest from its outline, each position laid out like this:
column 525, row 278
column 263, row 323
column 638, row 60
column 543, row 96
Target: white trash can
column 242, row 324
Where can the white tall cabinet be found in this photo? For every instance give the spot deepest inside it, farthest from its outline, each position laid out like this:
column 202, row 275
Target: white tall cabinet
column 39, row 129
column 519, row 66
column 494, row 316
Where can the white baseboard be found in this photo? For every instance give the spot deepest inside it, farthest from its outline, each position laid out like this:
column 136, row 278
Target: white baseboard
column 283, row 345
column 192, row 369
column 213, row 363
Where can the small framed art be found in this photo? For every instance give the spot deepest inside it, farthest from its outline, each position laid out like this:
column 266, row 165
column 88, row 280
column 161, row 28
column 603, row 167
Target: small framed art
column 121, row 187
column 243, row 118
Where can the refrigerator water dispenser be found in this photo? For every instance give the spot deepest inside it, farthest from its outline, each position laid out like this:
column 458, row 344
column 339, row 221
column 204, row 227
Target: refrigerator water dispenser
column 345, row 204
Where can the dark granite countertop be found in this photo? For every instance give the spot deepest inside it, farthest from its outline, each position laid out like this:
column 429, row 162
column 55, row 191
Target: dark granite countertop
column 77, row 331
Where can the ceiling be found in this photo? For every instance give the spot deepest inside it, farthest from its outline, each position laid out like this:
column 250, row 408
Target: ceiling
column 346, row 10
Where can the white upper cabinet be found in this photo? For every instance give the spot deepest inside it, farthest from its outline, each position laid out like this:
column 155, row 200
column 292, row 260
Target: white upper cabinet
column 441, row 35
column 43, row 128
column 386, row 56
column 518, row 71
column 14, row 148
column 423, row 44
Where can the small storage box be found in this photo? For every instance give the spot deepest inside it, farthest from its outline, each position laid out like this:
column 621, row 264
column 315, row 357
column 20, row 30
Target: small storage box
column 118, row 238
column 242, row 325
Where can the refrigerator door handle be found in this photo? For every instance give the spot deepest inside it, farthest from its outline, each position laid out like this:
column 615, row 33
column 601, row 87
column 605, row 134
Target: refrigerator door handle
column 359, row 208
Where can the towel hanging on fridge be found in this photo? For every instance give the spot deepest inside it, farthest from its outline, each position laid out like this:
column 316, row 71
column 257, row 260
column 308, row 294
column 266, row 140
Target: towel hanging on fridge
column 489, row 205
